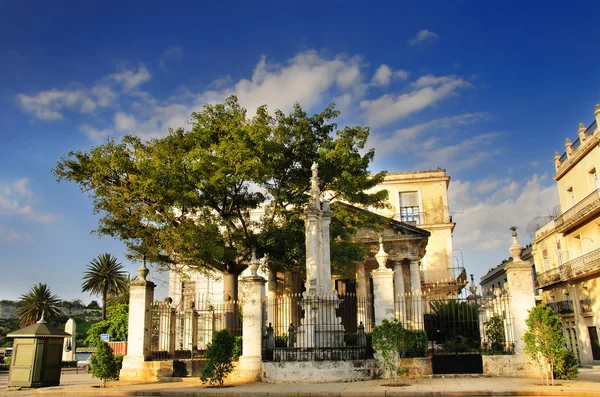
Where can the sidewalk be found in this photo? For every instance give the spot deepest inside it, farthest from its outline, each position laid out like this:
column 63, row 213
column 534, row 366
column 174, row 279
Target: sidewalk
column 72, row 384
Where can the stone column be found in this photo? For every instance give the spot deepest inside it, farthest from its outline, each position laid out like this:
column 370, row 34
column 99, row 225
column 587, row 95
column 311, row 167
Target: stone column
column 254, row 295
column 521, row 289
column 383, row 281
column 69, row 344
column 141, row 296
column 362, row 295
column 415, row 290
column 399, row 296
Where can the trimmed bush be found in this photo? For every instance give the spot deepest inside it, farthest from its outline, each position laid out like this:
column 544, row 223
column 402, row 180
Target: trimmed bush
column 566, row 365
column 416, row 343
column 103, row 364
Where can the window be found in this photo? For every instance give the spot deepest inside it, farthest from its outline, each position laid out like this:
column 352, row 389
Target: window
column 409, row 207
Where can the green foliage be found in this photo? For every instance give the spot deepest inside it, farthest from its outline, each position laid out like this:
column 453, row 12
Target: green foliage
column 544, row 339
column 219, row 356
column 37, row 301
column 566, row 365
column 160, row 197
column 454, row 324
column 7, row 361
column 416, row 343
column 494, row 331
column 391, row 343
column 237, row 348
column 103, row 365
column 104, row 276
column 93, row 305
column 115, row 326
column 119, row 361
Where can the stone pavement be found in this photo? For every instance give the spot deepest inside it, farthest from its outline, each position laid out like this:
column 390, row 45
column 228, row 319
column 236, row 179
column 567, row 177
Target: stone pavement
column 81, row 384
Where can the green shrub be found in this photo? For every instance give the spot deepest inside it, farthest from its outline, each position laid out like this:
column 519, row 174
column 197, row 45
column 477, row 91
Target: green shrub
column 494, row 332
column 566, row 365
column 103, row 364
column 119, row 361
column 416, row 343
column 7, row 361
column 281, row 341
column 390, row 342
column 219, row 355
column 237, row 348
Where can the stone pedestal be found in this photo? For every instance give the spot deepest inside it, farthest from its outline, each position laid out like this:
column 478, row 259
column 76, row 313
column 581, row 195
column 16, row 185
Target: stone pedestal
column 253, row 288
column 141, row 296
column 383, row 287
column 522, row 293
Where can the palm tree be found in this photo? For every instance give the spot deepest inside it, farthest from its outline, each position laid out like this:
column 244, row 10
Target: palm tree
column 39, row 300
column 123, row 296
column 104, row 276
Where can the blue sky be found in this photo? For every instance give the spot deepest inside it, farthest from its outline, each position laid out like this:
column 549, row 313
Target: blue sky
column 488, row 90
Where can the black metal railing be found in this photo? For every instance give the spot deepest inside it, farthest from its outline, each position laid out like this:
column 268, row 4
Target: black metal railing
column 590, row 130
column 481, row 325
column 590, row 203
column 585, row 306
column 562, row 307
column 585, row 264
column 318, row 327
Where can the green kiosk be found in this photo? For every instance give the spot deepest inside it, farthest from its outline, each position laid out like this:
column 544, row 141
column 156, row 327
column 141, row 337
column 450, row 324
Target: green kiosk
column 37, row 356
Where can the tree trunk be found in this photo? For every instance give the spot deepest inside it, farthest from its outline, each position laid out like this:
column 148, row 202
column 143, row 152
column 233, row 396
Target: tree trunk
column 104, row 296
column 230, row 303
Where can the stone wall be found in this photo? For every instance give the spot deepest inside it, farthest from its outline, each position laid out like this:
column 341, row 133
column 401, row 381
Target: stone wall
column 318, row 371
column 510, row 366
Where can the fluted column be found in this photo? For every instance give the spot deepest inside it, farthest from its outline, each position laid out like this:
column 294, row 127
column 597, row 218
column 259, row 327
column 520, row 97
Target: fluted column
column 399, row 298
column 415, row 290
column 363, row 312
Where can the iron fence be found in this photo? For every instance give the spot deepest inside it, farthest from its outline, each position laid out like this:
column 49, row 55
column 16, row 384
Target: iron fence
column 456, row 325
column 185, row 332
column 318, row 327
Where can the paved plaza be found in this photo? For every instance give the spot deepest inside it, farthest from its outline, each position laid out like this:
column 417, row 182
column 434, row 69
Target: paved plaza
column 81, row 384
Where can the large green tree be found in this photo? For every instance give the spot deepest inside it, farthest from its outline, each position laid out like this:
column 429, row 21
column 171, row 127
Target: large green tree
column 190, row 197
column 105, row 276
column 39, row 300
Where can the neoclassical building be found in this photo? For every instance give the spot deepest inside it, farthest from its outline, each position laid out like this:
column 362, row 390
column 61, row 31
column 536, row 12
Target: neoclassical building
column 567, row 249
column 417, row 235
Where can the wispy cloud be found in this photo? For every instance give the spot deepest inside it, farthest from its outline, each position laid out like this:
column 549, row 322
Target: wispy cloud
column 462, row 155
column 16, row 199
column 389, row 108
column 8, row 235
column 423, row 36
column 170, row 54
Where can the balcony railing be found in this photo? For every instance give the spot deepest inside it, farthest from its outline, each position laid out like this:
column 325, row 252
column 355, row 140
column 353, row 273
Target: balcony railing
column 590, row 130
column 415, row 218
column 584, row 264
column 562, row 307
column 578, row 211
column 585, row 306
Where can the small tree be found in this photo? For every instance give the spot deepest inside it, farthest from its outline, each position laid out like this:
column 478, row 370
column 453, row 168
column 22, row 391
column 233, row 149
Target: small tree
column 390, row 343
column 544, row 339
column 494, row 331
column 115, row 326
column 219, row 357
column 103, row 364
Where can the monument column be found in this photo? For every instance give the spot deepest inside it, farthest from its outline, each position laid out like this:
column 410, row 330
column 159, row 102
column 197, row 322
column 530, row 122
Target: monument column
column 415, row 290
column 383, row 291
column 254, row 295
column 399, row 296
column 362, row 294
column 521, row 290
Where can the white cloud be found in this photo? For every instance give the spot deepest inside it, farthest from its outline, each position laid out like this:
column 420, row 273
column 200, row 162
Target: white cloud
column 171, row 53
column 130, row 79
column 462, row 155
column 383, row 75
column 12, row 236
column 411, row 138
column 16, row 199
column 389, row 108
column 95, row 134
column 124, row 121
column 423, row 36
column 483, row 219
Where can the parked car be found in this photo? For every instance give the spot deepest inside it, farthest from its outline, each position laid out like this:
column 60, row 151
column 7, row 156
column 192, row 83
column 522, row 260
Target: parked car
column 84, row 364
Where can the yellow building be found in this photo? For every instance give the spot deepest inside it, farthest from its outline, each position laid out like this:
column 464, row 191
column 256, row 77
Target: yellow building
column 567, row 250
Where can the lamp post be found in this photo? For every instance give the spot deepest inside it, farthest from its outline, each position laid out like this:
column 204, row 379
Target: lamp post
column 462, row 258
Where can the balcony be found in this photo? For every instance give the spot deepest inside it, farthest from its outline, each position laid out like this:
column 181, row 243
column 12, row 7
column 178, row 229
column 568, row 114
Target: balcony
column 574, row 215
column 450, row 275
column 585, row 307
column 564, row 307
column 585, row 264
column 412, row 218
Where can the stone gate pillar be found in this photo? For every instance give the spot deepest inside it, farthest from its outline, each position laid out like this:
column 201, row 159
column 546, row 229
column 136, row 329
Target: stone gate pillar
column 141, row 296
column 253, row 288
column 521, row 290
column 383, row 288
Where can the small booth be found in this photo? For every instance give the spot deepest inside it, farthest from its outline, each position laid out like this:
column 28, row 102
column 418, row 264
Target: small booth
column 37, row 356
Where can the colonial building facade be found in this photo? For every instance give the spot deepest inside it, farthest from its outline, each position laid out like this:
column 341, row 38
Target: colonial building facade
column 567, row 250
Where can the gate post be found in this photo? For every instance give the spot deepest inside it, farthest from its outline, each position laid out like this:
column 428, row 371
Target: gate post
column 252, row 328
column 522, row 292
column 141, row 295
column 383, row 287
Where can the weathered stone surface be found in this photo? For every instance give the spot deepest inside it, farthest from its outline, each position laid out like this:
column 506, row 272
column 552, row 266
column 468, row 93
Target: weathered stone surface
column 510, row 365
column 318, row 371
